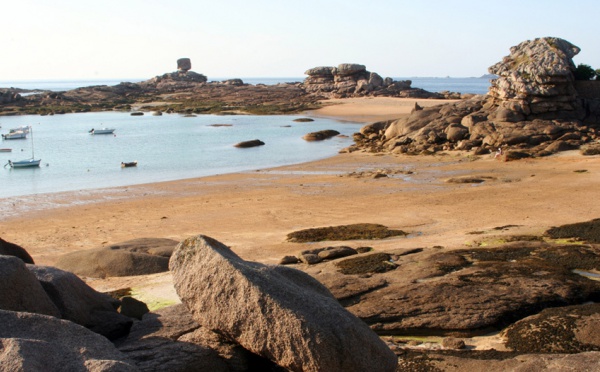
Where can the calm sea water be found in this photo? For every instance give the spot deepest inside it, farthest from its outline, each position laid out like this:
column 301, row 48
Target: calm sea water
column 167, row 147
column 432, row 84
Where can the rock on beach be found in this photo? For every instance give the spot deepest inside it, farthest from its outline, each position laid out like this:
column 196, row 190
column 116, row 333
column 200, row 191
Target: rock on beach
column 276, row 312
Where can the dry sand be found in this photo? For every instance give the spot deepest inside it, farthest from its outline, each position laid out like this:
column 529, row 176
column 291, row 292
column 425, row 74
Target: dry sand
column 371, row 109
column 252, row 212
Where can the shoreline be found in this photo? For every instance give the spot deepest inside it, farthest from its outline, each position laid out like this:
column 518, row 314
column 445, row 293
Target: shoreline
column 278, row 200
column 252, row 212
column 304, row 195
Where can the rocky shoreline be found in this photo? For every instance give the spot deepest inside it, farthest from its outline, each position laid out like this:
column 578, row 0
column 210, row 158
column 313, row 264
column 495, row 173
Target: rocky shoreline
column 239, row 315
column 187, row 92
column 535, row 288
column 534, row 108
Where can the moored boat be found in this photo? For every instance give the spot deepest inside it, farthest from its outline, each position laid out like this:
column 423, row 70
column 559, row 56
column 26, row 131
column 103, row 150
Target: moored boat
column 27, row 163
column 14, row 135
column 129, row 164
column 5, row 150
column 102, row 131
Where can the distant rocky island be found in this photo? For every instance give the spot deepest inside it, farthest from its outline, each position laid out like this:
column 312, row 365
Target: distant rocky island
column 187, row 92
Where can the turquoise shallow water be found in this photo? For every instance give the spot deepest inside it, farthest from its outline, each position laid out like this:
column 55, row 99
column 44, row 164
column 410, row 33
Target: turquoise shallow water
column 167, row 147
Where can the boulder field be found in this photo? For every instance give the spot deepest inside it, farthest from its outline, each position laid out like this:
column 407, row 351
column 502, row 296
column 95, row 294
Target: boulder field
column 353, row 309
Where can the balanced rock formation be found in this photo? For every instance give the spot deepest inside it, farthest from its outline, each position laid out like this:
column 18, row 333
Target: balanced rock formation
column 183, row 78
column 532, row 107
column 353, row 80
column 273, row 311
column 536, row 81
column 184, row 64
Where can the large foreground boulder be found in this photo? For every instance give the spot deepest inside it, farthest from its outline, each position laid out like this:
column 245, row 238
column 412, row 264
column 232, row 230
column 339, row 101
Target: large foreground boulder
column 33, row 342
column 133, row 257
column 274, row 311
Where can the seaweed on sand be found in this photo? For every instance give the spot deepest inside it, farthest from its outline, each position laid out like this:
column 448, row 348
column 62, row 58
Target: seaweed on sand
column 344, row 232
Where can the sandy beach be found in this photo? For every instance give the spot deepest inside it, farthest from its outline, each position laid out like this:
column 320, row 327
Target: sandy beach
column 252, row 212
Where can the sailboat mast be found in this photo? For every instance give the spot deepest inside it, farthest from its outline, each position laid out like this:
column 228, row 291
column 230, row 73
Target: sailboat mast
column 31, row 132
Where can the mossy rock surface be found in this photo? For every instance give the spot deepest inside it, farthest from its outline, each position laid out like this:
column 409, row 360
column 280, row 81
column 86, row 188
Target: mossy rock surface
column 587, row 231
column 569, row 329
column 358, row 231
column 367, row 264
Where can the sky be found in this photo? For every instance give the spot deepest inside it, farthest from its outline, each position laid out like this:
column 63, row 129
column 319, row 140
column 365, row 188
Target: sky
column 140, row 39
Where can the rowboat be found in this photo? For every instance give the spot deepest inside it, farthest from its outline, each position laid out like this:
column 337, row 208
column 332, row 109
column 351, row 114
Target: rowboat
column 25, row 163
column 15, row 135
column 102, row 131
column 129, row 164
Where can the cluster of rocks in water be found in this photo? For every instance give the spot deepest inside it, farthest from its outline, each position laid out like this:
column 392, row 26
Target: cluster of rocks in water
column 534, row 108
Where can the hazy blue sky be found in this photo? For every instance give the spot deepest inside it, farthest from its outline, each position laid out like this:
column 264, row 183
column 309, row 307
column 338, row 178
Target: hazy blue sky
column 101, row 39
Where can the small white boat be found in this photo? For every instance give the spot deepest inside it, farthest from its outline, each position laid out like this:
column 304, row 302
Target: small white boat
column 25, row 163
column 102, row 131
column 14, row 135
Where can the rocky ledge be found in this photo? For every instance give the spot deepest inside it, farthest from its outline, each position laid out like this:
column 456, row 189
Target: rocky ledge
column 353, row 80
column 353, row 309
column 187, row 92
column 534, row 108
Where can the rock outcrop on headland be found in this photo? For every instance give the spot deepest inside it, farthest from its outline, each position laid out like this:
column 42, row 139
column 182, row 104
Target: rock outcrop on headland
column 276, row 312
column 353, row 80
column 187, row 92
column 536, row 82
column 533, row 108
